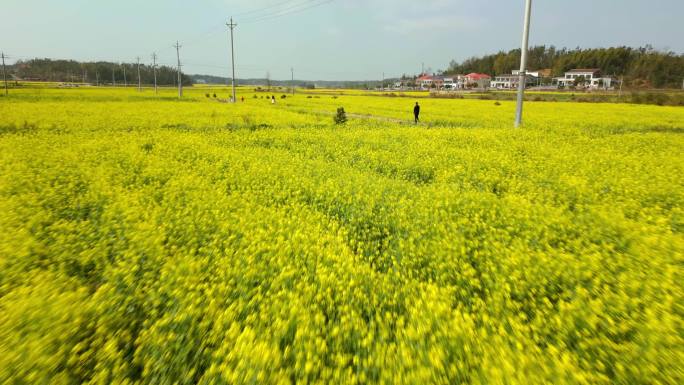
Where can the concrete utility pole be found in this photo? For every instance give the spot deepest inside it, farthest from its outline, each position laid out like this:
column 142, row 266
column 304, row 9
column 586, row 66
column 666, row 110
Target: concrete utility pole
column 114, row 76
column 4, row 73
column 180, row 82
column 232, row 26
column 154, row 69
column 382, row 86
column 522, row 79
column 125, row 79
column 97, row 78
column 293, row 84
column 139, row 83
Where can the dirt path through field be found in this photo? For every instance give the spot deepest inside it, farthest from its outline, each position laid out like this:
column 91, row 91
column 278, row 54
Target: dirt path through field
column 358, row 116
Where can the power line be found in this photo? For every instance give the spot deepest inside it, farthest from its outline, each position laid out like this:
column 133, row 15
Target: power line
column 223, row 67
column 286, row 12
column 283, row 13
column 202, row 38
column 264, row 8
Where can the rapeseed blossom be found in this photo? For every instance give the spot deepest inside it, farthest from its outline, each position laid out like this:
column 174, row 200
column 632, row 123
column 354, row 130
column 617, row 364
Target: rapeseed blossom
column 150, row 241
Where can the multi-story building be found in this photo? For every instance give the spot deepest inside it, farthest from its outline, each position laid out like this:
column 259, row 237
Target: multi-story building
column 512, row 81
column 478, row 80
column 454, row 82
column 425, row 81
column 588, row 78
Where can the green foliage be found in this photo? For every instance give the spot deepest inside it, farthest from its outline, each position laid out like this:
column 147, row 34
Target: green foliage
column 580, row 81
column 641, row 67
column 340, row 116
column 73, row 71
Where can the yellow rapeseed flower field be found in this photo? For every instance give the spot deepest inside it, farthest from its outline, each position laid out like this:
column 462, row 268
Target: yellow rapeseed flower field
column 146, row 240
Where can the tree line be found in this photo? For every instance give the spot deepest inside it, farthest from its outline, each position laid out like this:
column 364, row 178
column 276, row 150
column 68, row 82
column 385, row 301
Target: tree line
column 642, row 67
column 103, row 73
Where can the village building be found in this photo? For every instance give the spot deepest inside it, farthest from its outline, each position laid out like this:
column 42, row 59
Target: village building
column 425, row 81
column 503, row 82
column 477, row 80
column 539, row 74
column 430, row 81
column 534, row 78
column 590, row 78
column 454, row 82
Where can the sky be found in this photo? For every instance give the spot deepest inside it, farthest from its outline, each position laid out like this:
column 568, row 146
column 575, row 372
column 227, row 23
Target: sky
column 324, row 39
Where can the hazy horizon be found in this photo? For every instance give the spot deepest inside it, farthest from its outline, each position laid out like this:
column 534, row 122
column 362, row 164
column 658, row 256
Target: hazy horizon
column 338, row 40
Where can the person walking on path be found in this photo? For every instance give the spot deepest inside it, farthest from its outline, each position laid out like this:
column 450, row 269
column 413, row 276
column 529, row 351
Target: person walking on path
column 416, row 112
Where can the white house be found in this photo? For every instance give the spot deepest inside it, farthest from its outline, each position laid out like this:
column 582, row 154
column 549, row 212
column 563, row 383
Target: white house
column 545, row 73
column 503, row 82
column 455, row 82
column 425, row 81
column 589, row 78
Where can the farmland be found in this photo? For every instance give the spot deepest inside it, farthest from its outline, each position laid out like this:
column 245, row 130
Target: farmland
column 147, row 240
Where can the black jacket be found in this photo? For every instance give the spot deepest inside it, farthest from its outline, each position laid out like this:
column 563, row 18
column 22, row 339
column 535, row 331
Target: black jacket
column 416, row 110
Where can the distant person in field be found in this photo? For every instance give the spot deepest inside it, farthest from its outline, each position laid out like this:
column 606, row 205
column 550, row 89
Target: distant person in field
column 272, row 99
column 416, row 112
column 243, row 99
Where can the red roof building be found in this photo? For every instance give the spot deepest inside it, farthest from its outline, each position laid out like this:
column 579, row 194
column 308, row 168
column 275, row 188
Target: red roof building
column 474, row 77
column 480, row 80
column 428, row 81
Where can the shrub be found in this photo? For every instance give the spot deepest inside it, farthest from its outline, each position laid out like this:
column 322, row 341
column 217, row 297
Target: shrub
column 341, row 116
